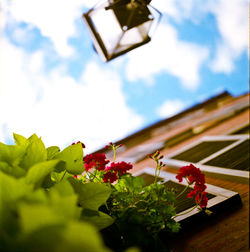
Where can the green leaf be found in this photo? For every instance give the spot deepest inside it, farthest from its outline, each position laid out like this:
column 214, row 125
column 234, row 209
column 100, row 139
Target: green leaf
column 98, row 218
column 36, row 216
column 72, row 236
column 73, row 157
column 80, row 236
column 11, row 154
column 11, row 190
column 173, row 226
column 64, row 205
column 47, row 182
column 41, row 239
column 14, row 171
column 56, row 177
column 52, row 151
column 35, row 153
column 60, row 167
column 32, row 138
column 130, row 183
column 64, row 188
column 38, row 172
column 19, row 140
column 35, row 197
column 91, row 195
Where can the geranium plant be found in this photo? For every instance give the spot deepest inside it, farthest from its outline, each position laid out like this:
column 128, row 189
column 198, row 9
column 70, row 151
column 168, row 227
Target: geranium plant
column 53, row 200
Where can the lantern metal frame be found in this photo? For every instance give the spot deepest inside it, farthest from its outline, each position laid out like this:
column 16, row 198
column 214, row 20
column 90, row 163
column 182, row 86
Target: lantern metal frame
column 98, row 43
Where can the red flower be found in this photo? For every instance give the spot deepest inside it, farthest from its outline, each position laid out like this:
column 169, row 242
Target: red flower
column 96, row 160
column 115, row 170
column 191, row 194
column 120, row 167
column 194, row 175
column 110, row 177
column 201, row 199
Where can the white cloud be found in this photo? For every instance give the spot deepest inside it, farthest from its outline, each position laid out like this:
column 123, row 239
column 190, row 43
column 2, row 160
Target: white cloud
column 170, row 108
column 168, row 8
column 93, row 109
column 232, row 19
column 232, row 24
column 58, row 108
column 55, row 19
column 166, row 53
column 224, row 59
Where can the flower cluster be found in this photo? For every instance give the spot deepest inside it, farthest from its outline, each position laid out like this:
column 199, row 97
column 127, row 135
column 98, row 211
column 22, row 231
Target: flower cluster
column 193, row 175
column 115, row 170
column 95, row 160
column 95, row 165
column 120, row 168
column 110, row 177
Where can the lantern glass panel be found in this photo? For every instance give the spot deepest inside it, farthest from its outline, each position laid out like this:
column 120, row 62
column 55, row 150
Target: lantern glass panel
column 107, row 27
column 135, row 35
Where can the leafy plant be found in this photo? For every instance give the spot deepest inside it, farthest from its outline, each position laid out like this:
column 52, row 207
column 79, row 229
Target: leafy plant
column 53, row 200
column 41, row 205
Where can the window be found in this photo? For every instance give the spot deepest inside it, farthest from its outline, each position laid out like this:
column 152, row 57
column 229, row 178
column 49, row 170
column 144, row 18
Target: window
column 224, row 156
column 218, row 197
column 244, row 129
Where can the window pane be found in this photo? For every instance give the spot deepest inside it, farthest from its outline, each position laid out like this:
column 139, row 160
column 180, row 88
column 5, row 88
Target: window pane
column 244, row 130
column 202, row 150
column 236, row 158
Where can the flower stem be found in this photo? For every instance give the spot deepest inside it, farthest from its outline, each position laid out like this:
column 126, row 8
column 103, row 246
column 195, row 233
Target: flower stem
column 190, row 210
column 114, row 150
column 156, row 172
column 94, row 176
column 182, row 192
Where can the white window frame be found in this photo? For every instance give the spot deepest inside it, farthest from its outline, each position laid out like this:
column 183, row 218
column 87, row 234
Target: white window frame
column 221, row 195
column 218, row 172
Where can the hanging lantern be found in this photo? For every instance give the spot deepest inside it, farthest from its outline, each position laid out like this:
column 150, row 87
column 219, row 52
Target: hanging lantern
column 119, row 26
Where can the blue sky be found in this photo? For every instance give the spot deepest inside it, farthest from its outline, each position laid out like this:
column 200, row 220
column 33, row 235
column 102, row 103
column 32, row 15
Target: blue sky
column 52, row 82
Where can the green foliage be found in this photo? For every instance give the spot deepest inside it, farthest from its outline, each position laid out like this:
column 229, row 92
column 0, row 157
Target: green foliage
column 72, row 156
column 98, row 218
column 142, row 212
column 52, row 151
column 152, row 206
column 90, row 197
column 39, row 208
column 43, row 207
column 37, row 173
column 35, row 152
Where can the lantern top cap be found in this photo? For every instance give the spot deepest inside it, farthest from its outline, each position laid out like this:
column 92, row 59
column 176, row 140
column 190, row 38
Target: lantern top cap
column 127, row 2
